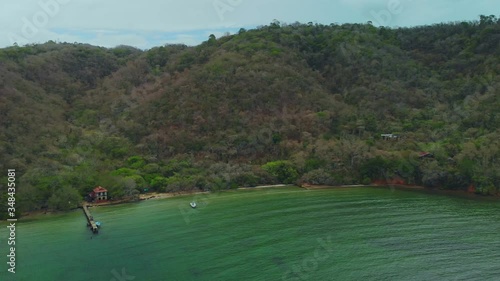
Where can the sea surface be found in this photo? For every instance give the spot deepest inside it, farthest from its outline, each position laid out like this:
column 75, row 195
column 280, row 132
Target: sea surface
column 267, row 234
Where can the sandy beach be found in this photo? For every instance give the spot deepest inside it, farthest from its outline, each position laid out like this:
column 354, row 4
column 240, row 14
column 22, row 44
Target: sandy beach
column 399, row 186
column 266, row 186
column 157, row 195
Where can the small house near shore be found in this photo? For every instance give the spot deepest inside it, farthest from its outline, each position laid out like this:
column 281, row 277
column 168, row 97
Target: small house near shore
column 99, row 194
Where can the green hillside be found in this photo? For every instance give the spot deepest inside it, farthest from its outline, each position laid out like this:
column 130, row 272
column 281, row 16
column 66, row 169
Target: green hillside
column 284, row 103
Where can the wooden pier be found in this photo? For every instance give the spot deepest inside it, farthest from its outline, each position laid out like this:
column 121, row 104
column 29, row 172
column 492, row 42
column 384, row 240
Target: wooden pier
column 90, row 219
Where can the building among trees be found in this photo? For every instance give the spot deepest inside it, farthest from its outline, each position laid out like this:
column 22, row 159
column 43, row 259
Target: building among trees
column 389, row 136
column 99, row 194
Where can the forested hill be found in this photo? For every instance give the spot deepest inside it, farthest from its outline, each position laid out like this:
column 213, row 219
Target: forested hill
column 286, row 103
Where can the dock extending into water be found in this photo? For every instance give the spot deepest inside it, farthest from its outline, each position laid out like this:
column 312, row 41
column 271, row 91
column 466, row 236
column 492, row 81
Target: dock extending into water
column 90, row 219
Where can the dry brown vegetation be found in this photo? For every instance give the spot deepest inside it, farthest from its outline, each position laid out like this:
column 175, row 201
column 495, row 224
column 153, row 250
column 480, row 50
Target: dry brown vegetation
column 279, row 104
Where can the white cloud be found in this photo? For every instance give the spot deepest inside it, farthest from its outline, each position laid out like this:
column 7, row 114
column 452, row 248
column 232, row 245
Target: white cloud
column 133, row 22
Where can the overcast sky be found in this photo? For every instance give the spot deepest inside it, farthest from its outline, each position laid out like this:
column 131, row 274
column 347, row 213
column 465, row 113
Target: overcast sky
column 148, row 23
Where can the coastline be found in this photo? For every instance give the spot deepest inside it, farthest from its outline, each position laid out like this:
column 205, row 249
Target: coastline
column 318, row 186
column 399, row 186
column 158, row 195
column 267, row 186
column 148, row 196
column 142, row 197
column 433, row 191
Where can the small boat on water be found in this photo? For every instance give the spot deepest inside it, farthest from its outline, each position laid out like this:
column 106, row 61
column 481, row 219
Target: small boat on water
column 98, row 224
column 192, row 204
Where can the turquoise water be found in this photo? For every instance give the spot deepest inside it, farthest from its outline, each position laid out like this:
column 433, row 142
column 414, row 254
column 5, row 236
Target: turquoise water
column 268, row 234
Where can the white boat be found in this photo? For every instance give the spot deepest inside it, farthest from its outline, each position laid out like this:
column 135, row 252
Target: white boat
column 192, row 204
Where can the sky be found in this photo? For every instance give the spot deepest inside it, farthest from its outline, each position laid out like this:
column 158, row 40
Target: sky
column 148, row 23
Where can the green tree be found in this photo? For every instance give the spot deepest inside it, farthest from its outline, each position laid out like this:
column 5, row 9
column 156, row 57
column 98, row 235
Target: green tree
column 376, row 168
column 136, row 162
column 282, row 170
column 64, row 198
column 159, row 183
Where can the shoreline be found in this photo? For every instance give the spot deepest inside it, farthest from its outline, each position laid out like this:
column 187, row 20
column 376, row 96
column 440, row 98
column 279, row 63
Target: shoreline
column 266, row 186
column 159, row 195
column 433, row 191
column 399, row 186
column 142, row 197
column 147, row 196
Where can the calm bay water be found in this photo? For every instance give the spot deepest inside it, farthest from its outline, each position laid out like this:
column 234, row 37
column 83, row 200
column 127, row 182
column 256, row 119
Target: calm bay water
column 268, row 234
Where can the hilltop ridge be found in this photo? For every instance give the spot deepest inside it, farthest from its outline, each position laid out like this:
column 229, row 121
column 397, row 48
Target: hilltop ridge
column 283, row 103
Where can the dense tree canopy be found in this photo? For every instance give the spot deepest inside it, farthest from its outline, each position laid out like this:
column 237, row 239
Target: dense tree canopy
column 294, row 102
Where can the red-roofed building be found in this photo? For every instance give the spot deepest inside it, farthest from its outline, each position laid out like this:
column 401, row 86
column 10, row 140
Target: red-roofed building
column 99, row 194
column 424, row 154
